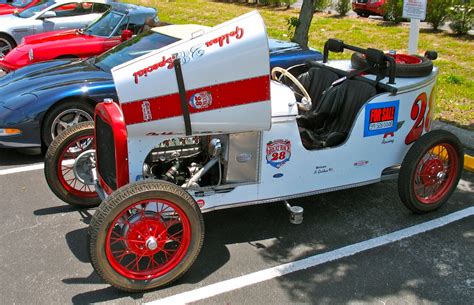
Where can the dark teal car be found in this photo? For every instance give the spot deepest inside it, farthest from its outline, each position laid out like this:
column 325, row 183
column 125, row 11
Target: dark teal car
column 39, row 101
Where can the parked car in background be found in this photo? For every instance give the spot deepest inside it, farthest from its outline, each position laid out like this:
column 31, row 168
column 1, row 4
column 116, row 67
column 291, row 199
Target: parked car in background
column 365, row 8
column 12, row 6
column 48, row 16
column 115, row 26
column 39, row 101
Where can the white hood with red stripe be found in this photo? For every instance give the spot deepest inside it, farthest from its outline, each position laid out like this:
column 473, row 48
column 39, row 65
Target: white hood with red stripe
column 226, row 79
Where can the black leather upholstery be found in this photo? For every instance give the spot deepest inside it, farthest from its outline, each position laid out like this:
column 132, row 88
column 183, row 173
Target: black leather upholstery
column 330, row 122
column 315, row 81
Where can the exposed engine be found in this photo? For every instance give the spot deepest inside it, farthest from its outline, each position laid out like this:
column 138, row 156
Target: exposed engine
column 190, row 162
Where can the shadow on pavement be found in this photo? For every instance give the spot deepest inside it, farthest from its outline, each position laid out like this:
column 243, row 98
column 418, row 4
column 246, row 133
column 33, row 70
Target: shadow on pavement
column 10, row 157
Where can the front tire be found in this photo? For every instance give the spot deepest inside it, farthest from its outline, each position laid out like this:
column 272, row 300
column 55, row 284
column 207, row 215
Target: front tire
column 59, row 161
column 430, row 171
column 145, row 235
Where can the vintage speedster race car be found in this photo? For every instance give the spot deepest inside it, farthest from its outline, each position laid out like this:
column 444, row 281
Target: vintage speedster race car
column 201, row 126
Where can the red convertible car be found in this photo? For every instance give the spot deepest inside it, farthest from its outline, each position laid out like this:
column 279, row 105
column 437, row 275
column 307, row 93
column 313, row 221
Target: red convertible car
column 115, row 26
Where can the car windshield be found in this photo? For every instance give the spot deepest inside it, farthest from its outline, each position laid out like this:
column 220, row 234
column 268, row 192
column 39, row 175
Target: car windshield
column 105, row 25
column 133, row 48
column 35, row 9
column 21, row 3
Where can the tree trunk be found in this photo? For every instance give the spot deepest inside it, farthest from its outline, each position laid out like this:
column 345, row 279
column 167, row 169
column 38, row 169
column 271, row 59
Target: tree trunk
column 302, row 29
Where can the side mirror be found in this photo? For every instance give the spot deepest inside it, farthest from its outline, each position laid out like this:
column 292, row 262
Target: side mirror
column 126, row 35
column 48, row 14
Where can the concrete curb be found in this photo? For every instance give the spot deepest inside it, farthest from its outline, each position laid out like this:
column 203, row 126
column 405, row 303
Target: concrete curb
column 465, row 136
column 469, row 163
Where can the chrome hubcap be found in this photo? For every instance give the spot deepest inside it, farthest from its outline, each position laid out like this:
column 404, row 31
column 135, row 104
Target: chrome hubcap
column 151, row 243
column 67, row 119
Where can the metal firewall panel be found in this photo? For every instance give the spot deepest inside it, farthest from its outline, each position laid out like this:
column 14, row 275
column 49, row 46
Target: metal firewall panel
column 243, row 157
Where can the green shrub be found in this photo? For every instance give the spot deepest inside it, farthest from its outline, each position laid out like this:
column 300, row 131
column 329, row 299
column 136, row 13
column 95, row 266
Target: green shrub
column 462, row 18
column 342, row 7
column 437, row 11
column 393, row 11
column 321, row 5
column 287, row 3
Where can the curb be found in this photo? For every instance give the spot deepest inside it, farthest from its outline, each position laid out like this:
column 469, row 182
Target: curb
column 465, row 136
column 469, row 163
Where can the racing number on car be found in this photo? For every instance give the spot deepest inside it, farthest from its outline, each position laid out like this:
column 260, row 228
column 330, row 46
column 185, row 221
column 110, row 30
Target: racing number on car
column 279, row 156
column 421, row 112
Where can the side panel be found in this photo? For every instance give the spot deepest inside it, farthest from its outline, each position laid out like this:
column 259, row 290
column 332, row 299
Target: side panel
column 288, row 169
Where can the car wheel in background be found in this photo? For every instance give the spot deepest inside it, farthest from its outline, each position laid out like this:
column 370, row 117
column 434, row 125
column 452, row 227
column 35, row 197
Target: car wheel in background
column 63, row 116
column 6, row 44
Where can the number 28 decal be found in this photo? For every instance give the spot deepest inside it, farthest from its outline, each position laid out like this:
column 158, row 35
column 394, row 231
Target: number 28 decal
column 421, row 113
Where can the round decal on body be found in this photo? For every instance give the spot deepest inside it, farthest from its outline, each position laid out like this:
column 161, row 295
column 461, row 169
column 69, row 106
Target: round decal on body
column 201, row 100
column 278, row 152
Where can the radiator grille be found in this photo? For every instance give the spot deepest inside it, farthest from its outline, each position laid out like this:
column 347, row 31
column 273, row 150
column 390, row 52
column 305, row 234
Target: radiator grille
column 106, row 152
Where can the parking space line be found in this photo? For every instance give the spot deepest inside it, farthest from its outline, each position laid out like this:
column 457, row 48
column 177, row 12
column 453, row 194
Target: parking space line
column 312, row 261
column 21, row 169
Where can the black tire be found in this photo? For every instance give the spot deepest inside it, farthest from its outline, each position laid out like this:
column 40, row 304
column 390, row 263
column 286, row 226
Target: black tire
column 65, row 110
column 411, row 168
column 53, row 159
column 6, row 40
column 119, row 202
column 424, row 68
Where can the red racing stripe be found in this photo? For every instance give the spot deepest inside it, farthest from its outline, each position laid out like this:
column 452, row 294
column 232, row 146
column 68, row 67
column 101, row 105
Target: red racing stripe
column 224, row 95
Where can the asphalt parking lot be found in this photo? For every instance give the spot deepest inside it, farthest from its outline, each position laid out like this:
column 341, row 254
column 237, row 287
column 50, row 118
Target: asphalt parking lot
column 44, row 259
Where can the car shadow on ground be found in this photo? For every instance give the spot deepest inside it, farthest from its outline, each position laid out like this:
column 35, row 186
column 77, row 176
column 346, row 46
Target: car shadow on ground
column 11, row 157
column 331, row 221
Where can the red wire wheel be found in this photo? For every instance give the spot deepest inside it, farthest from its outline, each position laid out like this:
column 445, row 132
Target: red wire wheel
column 145, row 235
column 430, row 171
column 59, row 171
column 66, row 174
column 148, row 239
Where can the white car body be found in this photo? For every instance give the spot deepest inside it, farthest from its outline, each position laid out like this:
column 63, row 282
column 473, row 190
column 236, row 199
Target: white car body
column 262, row 122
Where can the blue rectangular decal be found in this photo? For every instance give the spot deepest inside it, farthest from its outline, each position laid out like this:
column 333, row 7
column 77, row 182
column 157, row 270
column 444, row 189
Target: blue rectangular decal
column 381, row 118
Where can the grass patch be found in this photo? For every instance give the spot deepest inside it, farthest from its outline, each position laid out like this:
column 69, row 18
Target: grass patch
column 455, row 96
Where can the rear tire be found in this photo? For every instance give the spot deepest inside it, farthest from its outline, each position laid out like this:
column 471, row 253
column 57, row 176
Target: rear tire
column 430, row 171
column 135, row 245
column 58, row 166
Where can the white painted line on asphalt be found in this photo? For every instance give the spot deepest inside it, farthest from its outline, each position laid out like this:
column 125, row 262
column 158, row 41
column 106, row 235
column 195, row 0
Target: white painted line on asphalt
column 21, row 169
column 312, row 261
column 28, row 168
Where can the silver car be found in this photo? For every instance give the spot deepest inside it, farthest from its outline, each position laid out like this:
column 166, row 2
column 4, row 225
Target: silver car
column 50, row 15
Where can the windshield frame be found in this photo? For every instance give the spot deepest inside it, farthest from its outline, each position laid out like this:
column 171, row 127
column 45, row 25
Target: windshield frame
column 20, row 6
column 110, row 11
column 52, row 4
column 97, row 61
